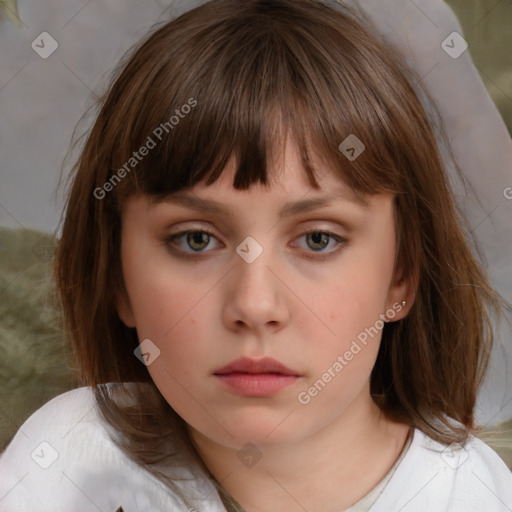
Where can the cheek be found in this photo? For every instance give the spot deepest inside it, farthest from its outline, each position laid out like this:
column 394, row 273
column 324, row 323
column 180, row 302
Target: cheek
column 159, row 294
column 354, row 299
column 168, row 310
column 175, row 311
column 348, row 309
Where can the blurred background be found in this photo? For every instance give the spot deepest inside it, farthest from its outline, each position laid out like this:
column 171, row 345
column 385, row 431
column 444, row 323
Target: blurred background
column 487, row 26
column 56, row 58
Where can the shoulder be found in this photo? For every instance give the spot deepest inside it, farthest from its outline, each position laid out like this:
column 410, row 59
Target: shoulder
column 62, row 458
column 54, row 426
column 453, row 478
column 62, row 411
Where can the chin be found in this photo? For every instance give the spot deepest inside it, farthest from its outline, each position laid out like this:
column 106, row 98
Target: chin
column 254, row 428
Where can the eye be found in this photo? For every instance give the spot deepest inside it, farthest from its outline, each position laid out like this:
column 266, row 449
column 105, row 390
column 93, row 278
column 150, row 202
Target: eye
column 319, row 240
column 199, row 239
column 195, row 239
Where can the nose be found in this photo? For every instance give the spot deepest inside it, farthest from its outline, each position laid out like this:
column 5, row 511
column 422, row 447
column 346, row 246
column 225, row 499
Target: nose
column 256, row 298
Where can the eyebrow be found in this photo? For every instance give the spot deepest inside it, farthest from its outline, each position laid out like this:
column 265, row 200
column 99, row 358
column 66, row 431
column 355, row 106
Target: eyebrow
column 288, row 209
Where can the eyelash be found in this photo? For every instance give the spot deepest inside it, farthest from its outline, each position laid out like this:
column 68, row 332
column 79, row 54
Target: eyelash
column 342, row 243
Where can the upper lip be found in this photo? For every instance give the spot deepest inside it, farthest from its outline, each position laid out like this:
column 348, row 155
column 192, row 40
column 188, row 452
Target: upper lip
column 248, row 365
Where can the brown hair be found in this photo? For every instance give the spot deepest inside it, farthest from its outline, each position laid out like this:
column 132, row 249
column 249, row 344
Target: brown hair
column 248, row 69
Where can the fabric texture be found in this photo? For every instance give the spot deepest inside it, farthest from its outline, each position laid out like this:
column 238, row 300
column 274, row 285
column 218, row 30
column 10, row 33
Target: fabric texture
column 62, row 460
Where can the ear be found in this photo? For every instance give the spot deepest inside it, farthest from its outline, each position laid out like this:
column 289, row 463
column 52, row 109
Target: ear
column 124, row 309
column 402, row 289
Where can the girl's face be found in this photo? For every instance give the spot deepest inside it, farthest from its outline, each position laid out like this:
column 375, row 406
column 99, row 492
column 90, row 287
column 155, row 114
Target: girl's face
column 256, row 287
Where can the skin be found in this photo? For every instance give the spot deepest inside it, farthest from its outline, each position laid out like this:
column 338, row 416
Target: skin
column 205, row 312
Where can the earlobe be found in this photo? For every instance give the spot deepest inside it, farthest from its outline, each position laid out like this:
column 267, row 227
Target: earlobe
column 400, row 297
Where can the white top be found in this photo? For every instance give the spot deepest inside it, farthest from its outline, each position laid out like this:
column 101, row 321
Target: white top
column 62, row 460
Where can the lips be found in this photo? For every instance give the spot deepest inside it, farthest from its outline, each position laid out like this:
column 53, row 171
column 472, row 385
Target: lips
column 256, row 378
column 256, row 366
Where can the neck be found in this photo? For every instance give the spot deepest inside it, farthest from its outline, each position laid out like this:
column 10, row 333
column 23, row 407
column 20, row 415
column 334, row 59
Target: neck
column 342, row 463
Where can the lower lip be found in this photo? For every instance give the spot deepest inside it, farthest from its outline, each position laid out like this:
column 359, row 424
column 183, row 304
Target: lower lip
column 257, row 384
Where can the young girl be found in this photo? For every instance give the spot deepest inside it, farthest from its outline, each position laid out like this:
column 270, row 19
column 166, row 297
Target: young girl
column 267, row 286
